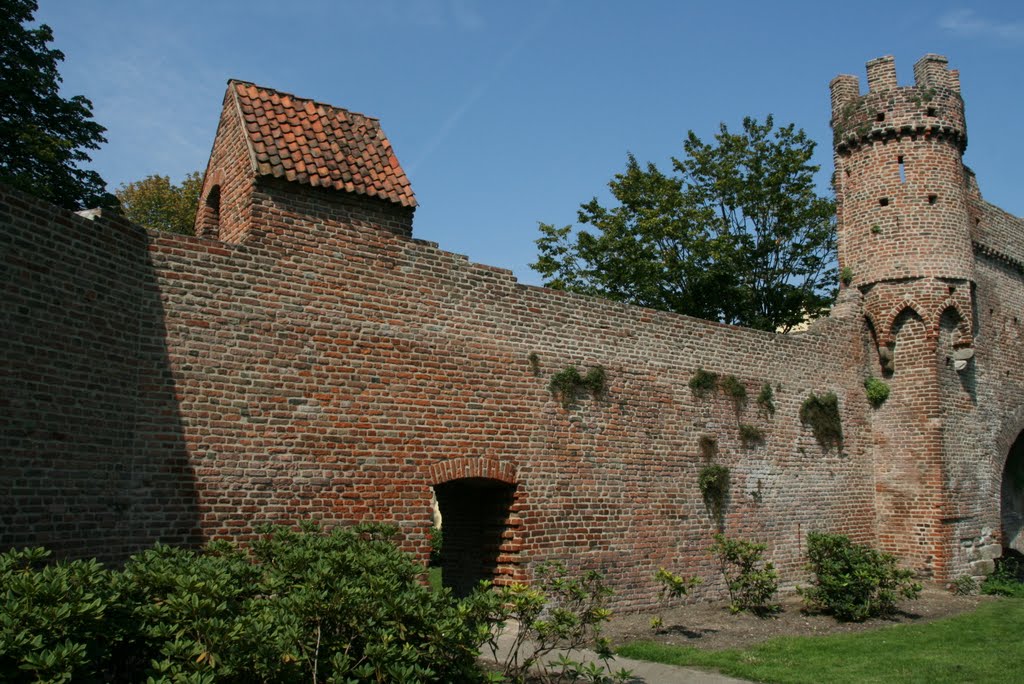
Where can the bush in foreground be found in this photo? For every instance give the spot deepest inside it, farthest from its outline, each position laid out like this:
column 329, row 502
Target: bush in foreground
column 752, row 582
column 854, row 582
column 298, row 606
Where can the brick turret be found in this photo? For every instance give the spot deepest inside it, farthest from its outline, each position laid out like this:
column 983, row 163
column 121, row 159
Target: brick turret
column 904, row 243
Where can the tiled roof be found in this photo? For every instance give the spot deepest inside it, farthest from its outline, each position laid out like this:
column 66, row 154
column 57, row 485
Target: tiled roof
column 320, row 145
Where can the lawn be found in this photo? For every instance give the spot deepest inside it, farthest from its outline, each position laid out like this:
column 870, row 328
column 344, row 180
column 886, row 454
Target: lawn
column 983, row 646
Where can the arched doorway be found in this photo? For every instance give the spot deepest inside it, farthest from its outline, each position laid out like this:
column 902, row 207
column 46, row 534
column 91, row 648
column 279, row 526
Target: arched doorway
column 1012, row 507
column 475, row 513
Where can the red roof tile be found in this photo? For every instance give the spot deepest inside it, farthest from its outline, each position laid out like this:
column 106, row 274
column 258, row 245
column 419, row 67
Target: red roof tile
column 320, row 145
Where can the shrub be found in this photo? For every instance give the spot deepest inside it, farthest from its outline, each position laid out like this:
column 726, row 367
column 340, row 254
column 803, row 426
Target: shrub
column 58, row 622
column 300, row 606
column 714, row 488
column 964, row 585
column 672, row 586
column 854, row 582
column 561, row 612
column 703, row 382
column 877, row 391
column 436, row 536
column 822, row 414
column 596, row 380
column 565, row 384
column 1007, row 580
column 752, row 582
column 846, row 275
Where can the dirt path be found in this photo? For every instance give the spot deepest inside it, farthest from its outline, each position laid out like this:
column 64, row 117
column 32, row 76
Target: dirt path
column 711, row 625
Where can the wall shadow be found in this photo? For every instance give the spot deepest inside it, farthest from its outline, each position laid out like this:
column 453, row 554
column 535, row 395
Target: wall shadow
column 92, row 445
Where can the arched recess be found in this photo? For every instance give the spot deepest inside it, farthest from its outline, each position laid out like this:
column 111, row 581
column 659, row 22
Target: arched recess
column 1011, row 508
column 953, row 337
column 910, row 343
column 208, row 218
column 477, row 500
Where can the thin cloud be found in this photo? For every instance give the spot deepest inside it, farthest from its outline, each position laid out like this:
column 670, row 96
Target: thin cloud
column 476, row 92
column 967, row 24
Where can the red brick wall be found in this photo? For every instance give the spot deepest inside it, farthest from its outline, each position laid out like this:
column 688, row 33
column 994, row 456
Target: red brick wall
column 318, row 362
column 93, row 457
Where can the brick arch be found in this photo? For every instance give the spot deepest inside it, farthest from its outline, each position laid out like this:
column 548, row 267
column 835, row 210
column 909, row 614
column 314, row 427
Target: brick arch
column 1011, row 429
column 482, row 531
column 207, row 221
column 463, row 467
column 963, row 325
column 897, row 311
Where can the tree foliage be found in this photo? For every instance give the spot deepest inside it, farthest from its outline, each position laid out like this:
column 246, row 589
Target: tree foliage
column 156, row 202
column 736, row 234
column 43, row 136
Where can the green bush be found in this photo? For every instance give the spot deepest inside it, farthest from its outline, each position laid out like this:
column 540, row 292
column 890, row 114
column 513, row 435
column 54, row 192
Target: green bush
column 752, row 582
column 1007, row 580
column 877, row 391
column 436, row 536
column 672, row 586
column 58, row 622
column 561, row 611
column 299, row 606
column 567, row 384
column 854, row 582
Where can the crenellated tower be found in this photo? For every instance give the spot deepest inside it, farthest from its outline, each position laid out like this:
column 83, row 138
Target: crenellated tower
column 901, row 194
column 905, row 244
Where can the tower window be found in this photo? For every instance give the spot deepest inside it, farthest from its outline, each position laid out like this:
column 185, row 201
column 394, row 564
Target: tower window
column 883, row 202
column 932, row 199
column 903, row 170
column 880, row 116
column 930, row 111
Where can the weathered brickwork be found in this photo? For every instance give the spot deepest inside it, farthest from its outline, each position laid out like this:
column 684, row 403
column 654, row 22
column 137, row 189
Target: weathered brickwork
column 305, row 357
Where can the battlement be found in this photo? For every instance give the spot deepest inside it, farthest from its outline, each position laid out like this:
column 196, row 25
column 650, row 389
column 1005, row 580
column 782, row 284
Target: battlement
column 932, row 106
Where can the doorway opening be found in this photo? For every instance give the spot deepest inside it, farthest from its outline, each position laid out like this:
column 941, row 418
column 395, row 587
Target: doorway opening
column 1012, row 507
column 475, row 513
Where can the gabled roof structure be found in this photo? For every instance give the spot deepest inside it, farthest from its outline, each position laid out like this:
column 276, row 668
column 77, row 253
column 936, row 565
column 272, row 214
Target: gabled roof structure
column 309, row 142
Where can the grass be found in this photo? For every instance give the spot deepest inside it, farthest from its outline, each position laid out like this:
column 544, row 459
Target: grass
column 983, row 646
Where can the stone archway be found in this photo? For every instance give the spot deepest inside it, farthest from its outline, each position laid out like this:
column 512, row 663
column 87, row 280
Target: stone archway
column 1012, row 497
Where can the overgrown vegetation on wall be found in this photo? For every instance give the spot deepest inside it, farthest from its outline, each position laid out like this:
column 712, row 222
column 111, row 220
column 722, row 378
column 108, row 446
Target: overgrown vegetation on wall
column 821, row 413
column 714, row 488
column 568, row 384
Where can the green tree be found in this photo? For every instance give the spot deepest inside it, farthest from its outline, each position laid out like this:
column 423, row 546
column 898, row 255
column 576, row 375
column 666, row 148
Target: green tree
column 43, row 137
column 155, row 202
column 736, row 234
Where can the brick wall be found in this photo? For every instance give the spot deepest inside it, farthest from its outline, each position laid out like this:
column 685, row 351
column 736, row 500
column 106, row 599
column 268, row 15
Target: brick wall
column 305, row 357
column 92, row 452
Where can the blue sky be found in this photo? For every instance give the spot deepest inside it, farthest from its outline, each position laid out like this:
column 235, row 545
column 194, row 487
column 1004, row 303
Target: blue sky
column 509, row 113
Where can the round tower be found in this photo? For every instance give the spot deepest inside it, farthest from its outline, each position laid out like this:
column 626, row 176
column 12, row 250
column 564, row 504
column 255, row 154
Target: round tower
column 904, row 243
column 900, row 181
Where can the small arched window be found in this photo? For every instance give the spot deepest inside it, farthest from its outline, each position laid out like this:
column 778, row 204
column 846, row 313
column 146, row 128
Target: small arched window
column 209, row 217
